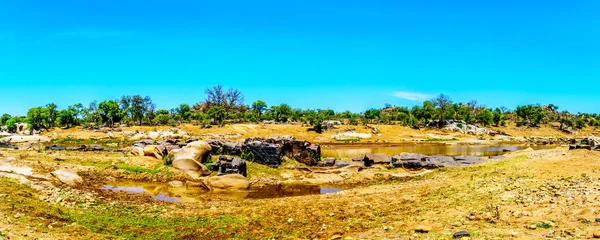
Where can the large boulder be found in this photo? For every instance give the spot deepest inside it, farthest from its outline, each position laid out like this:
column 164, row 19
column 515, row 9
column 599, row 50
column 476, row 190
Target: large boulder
column 68, row 177
column 224, row 147
column 229, row 165
column 189, row 159
column 261, row 151
column 227, row 182
column 270, row 151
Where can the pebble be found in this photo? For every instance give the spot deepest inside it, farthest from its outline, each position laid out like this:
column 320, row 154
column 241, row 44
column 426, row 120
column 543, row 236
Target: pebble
column 290, row 220
column 596, row 234
column 532, row 227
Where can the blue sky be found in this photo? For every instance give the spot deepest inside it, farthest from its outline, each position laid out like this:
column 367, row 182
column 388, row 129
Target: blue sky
column 310, row 53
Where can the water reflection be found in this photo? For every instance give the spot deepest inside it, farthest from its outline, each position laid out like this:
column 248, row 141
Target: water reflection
column 162, row 192
column 343, row 152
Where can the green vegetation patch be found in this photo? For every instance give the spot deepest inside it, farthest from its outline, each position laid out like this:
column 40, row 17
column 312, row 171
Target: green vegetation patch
column 132, row 222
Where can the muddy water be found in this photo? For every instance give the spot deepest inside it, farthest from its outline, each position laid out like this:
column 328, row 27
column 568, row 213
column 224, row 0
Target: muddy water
column 349, row 151
column 162, row 192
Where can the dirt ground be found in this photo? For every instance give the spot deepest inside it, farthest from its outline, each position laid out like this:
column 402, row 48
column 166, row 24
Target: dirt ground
column 532, row 195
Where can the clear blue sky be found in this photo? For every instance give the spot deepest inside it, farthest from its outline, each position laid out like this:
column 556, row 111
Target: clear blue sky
column 338, row 54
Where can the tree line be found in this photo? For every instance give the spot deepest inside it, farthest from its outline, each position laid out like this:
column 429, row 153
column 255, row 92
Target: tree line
column 222, row 106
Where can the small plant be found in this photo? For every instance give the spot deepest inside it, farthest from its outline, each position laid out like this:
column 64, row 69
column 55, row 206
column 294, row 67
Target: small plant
column 168, row 160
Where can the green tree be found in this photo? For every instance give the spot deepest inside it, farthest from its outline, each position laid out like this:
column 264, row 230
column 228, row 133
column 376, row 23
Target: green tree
column 217, row 114
column 67, row 117
column 39, row 117
column 52, row 114
column 282, row 111
column 110, row 112
column 442, row 104
column 4, row 118
column 497, row 116
column 258, row 108
column 485, row 117
column 11, row 124
column 372, row 114
column 184, row 111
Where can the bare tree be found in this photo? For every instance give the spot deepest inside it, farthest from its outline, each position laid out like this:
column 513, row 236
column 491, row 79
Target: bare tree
column 217, row 96
column 442, row 104
column 233, row 98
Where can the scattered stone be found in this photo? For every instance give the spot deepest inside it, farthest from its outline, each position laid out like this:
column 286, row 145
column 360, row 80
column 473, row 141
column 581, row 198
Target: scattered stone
column 532, row 227
column 422, row 229
column 461, row 234
column 596, row 234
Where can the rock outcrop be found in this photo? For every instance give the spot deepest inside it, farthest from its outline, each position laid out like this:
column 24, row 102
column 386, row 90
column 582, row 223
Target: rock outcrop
column 270, row 151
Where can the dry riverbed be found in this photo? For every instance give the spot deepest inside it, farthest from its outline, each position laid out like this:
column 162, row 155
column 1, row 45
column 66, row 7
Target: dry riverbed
column 533, row 194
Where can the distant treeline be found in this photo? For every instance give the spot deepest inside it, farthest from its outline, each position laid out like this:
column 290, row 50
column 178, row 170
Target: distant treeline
column 222, row 106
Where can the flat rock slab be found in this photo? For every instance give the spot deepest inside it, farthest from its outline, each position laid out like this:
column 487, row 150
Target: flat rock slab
column 68, row 177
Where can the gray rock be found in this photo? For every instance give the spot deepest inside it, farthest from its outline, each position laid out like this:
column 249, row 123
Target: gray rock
column 376, row 158
column 461, row 234
column 328, row 162
column 342, row 163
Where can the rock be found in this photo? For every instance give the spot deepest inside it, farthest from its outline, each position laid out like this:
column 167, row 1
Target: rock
column 461, row 234
column 497, row 157
column 376, row 158
column 68, row 177
column 335, row 237
column 598, row 220
column 419, row 161
column 596, row 234
column 54, row 147
column 230, row 165
column 342, row 163
column 137, row 151
column 95, row 148
column 227, row 182
column 143, row 143
column 532, row 227
column 154, row 135
column 175, row 184
column 422, row 229
column 155, row 151
column 223, row 147
column 468, row 160
column 328, row 162
column 189, row 159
